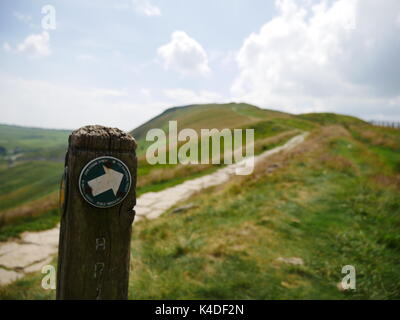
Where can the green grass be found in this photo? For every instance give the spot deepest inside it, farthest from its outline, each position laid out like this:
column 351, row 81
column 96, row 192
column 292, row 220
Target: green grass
column 296, row 123
column 36, row 157
column 28, row 288
column 164, row 184
column 331, row 118
column 392, row 158
column 35, row 174
column 335, row 202
column 207, row 116
column 195, row 117
column 265, row 129
column 31, row 179
column 28, row 181
column 47, row 220
column 21, row 225
column 317, row 208
column 255, row 112
column 31, row 139
column 324, row 205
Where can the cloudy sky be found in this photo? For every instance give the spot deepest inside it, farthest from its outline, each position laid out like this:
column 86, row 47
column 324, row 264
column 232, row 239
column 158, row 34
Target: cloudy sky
column 119, row 63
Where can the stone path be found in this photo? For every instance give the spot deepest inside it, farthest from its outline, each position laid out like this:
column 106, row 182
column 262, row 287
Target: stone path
column 28, row 254
column 35, row 249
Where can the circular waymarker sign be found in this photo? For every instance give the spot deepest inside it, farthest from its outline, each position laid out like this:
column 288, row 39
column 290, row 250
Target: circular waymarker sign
column 104, row 182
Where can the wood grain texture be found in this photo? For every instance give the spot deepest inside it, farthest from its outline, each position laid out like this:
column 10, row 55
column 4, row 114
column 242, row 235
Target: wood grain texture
column 94, row 247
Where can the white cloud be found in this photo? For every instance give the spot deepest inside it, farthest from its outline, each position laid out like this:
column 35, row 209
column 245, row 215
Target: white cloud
column 184, row 54
column 104, row 93
column 46, row 104
column 35, row 45
column 146, row 92
column 7, row 47
column 53, row 105
column 146, row 8
column 340, row 55
column 87, row 58
column 25, row 18
column 185, row 96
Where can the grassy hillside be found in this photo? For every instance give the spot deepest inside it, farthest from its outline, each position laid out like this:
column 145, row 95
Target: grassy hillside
column 29, row 187
column 17, row 139
column 219, row 116
column 332, row 118
column 31, row 165
column 333, row 201
column 28, row 181
column 271, row 128
column 330, row 202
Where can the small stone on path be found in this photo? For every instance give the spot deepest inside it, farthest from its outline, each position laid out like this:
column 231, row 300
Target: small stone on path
column 8, row 276
column 292, row 260
column 184, row 208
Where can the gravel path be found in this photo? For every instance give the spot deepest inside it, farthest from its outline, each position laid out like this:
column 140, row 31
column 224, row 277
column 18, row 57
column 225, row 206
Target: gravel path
column 35, row 249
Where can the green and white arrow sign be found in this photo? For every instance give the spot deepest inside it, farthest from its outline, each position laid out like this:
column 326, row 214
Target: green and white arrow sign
column 104, row 182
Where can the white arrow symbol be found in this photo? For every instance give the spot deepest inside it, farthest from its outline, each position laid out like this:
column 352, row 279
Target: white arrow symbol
column 110, row 180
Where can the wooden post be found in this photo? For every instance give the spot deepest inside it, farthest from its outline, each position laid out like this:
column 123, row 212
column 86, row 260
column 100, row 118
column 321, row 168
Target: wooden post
column 97, row 214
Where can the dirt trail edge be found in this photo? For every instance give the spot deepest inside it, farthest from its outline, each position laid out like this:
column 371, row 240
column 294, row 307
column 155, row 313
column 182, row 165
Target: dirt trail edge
column 34, row 250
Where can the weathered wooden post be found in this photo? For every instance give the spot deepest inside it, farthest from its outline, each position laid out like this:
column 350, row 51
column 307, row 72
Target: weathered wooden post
column 97, row 214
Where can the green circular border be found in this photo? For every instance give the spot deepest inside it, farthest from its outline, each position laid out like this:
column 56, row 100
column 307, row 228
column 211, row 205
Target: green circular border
column 87, row 165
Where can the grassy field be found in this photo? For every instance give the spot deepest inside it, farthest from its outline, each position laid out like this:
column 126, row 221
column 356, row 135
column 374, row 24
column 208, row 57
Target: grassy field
column 31, row 139
column 34, row 214
column 29, row 187
column 28, row 181
column 31, row 165
column 49, row 219
column 332, row 201
column 219, row 116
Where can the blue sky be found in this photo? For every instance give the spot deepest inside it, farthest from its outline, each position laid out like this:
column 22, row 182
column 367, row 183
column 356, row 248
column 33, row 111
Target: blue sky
column 119, row 63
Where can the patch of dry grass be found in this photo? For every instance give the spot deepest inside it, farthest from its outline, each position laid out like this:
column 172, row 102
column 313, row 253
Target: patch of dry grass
column 161, row 175
column 388, row 181
column 30, row 209
column 338, row 163
column 381, row 137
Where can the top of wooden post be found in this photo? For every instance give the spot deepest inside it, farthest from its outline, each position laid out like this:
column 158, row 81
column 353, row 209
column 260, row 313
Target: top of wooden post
column 97, row 137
